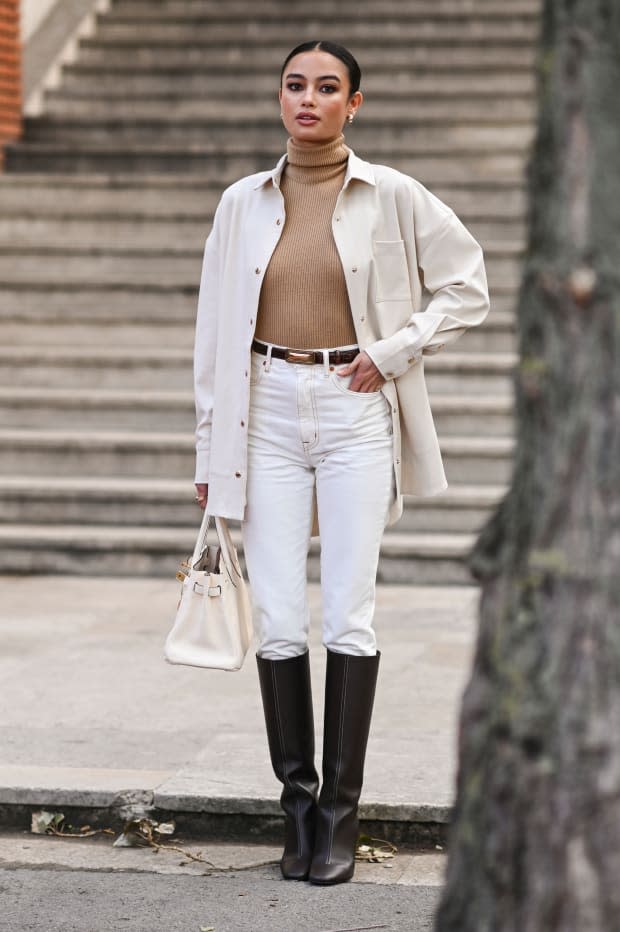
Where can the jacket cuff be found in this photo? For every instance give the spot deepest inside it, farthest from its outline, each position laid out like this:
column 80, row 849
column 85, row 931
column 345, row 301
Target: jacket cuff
column 202, row 466
column 391, row 360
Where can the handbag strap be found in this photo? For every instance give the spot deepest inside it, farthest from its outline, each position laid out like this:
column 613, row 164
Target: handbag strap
column 229, row 553
column 201, row 540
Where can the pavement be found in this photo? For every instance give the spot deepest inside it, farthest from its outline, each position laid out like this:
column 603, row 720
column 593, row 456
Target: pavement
column 91, row 715
column 60, row 889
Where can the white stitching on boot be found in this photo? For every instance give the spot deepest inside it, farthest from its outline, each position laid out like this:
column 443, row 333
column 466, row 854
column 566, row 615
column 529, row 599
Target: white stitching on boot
column 339, row 760
column 286, row 780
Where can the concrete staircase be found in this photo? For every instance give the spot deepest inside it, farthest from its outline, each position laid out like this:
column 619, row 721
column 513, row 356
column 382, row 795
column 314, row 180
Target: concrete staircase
column 103, row 214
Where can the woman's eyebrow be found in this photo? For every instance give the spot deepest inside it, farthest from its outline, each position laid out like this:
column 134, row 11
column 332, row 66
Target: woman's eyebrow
column 323, row 77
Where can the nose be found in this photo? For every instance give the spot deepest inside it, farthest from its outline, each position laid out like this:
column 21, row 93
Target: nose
column 308, row 98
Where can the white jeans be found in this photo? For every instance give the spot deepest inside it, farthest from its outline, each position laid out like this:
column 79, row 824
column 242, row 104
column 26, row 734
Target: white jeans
column 307, row 430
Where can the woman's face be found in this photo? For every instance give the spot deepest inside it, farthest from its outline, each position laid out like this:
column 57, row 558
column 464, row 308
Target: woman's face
column 315, row 97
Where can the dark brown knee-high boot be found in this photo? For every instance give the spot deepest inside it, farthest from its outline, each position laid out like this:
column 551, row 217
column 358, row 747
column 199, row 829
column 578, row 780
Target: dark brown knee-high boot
column 349, row 695
column 287, row 703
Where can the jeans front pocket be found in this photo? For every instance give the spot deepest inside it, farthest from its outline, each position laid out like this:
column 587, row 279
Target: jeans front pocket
column 342, row 384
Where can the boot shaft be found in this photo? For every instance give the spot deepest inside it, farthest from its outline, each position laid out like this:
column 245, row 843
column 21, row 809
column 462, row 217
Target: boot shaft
column 286, row 693
column 350, row 685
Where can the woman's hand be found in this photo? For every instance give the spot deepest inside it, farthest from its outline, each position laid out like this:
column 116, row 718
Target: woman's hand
column 202, row 494
column 366, row 376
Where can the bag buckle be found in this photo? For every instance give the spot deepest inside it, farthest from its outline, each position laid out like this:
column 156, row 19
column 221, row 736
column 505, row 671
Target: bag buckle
column 301, row 357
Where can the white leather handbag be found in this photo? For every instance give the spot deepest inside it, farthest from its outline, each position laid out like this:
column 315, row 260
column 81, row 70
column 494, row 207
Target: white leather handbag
column 213, row 623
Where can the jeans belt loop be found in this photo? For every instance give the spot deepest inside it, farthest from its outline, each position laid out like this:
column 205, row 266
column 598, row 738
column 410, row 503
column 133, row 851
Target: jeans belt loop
column 268, row 357
column 325, row 353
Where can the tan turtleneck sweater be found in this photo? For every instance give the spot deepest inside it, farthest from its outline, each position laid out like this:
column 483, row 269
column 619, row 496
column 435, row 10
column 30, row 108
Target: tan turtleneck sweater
column 304, row 302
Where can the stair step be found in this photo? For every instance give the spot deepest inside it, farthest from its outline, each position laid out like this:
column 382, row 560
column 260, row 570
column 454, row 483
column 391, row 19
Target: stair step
column 97, row 367
column 229, row 135
column 71, row 331
column 461, row 509
column 146, row 410
column 453, row 372
column 170, row 502
column 61, row 305
column 73, row 248
column 74, row 329
column 98, row 501
column 83, row 81
column 446, row 58
column 172, row 232
column 487, row 460
column 121, row 551
column 132, row 198
column 114, row 319
column 82, row 304
column 26, row 297
column 234, row 10
column 155, row 271
column 200, row 32
column 498, row 332
column 437, row 559
column 205, row 111
column 168, row 236
column 432, row 168
column 156, row 455
column 139, row 367
column 484, row 383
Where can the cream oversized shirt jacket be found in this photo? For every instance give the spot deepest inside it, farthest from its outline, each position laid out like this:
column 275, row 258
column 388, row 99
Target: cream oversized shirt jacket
column 394, row 238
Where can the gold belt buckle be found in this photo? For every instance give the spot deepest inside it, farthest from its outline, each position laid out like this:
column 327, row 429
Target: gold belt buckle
column 302, row 357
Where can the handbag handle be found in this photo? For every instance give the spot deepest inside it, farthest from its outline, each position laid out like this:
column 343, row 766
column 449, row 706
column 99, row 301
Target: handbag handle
column 201, row 540
column 227, row 547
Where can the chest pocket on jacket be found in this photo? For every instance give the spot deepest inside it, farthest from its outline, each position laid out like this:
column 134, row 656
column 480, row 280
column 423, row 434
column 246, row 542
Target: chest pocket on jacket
column 391, row 272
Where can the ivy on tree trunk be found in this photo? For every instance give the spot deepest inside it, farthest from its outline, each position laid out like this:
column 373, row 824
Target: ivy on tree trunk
column 535, row 841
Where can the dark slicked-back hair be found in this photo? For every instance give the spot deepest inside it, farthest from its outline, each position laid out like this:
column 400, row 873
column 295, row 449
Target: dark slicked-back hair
column 338, row 51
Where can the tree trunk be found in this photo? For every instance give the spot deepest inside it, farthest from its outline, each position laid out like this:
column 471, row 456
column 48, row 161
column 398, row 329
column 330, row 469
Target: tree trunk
column 535, row 842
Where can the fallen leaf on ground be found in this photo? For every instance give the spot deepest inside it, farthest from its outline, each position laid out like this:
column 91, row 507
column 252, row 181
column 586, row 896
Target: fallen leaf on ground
column 53, row 823
column 374, row 850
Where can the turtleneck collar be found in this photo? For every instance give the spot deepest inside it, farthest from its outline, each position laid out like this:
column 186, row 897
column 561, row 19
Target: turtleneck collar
column 316, row 163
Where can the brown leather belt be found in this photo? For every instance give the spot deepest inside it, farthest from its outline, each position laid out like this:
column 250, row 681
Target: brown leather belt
column 306, row 357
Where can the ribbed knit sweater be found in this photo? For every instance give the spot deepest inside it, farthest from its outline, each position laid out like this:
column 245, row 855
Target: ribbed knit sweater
column 304, row 302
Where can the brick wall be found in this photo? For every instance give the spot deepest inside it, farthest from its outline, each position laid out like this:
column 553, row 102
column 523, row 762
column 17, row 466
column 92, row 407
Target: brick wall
column 10, row 74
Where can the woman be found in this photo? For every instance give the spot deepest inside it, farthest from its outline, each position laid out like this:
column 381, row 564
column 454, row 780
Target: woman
column 310, row 399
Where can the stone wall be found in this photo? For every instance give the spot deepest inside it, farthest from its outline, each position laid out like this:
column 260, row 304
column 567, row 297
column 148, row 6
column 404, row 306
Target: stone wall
column 10, row 72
